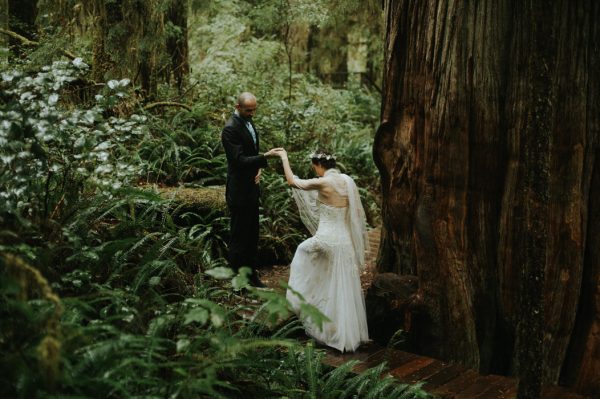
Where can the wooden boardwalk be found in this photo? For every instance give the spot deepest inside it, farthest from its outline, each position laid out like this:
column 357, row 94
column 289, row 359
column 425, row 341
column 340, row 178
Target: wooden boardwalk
column 446, row 380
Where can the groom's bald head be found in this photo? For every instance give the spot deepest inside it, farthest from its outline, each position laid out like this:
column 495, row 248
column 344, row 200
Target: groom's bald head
column 245, row 97
column 246, row 105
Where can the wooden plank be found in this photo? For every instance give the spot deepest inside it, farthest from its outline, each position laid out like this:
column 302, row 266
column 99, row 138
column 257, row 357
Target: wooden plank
column 511, row 393
column 444, row 376
column 410, row 367
column 558, row 392
column 481, row 385
column 499, row 385
column 336, row 358
column 393, row 358
column 502, row 387
column 396, row 358
column 371, row 361
column 426, row 372
column 457, row 384
column 551, row 392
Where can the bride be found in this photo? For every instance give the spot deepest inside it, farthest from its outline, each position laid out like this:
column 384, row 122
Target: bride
column 325, row 270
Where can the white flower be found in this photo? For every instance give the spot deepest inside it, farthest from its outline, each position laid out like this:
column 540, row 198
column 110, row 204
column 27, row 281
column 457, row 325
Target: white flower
column 80, row 142
column 102, row 156
column 104, row 169
column 7, row 158
column 26, row 96
column 124, row 82
column 53, row 99
column 78, row 62
column 103, row 146
column 112, row 84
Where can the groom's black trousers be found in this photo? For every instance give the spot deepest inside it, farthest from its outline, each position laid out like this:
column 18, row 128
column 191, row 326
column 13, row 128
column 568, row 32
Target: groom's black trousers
column 243, row 244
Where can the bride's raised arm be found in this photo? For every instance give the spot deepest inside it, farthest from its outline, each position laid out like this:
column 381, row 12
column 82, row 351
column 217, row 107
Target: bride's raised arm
column 289, row 176
column 294, row 181
column 304, row 193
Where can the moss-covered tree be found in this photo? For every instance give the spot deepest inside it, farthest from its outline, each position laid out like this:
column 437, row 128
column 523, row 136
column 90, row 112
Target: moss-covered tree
column 145, row 41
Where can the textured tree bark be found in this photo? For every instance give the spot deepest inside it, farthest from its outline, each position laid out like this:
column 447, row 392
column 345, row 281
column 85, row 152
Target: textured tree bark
column 536, row 140
column 107, row 14
column 461, row 197
column 130, row 39
column 177, row 45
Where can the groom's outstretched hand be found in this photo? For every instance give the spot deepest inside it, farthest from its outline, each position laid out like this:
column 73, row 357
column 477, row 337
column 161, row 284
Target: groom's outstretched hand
column 272, row 152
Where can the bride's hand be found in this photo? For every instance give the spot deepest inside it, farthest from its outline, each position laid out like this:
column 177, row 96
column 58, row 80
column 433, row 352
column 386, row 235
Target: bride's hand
column 272, row 152
column 282, row 153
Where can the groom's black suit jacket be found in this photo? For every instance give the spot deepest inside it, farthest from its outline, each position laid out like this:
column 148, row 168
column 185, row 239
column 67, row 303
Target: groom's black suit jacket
column 243, row 162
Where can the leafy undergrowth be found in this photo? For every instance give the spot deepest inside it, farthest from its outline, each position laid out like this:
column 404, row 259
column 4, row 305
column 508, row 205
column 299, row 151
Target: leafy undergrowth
column 109, row 290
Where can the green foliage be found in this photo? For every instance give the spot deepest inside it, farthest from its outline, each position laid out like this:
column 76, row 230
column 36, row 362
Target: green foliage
column 50, row 155
column 112, row 285
column 136, row 318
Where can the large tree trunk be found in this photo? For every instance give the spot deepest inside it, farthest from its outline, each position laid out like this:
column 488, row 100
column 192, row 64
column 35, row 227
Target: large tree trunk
column 3, row 25
column 487, row 152
column 131, row 40
column 21, row 19
column 105, row 61
column 177, row 43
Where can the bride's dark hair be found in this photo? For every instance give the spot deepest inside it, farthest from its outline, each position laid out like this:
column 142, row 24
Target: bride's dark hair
column 324, row 158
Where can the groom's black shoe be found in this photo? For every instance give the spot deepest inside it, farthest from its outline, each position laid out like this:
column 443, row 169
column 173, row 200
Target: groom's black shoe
column 255, row 281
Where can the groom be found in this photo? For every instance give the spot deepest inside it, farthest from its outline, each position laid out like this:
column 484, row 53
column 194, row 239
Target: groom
column 240, row 140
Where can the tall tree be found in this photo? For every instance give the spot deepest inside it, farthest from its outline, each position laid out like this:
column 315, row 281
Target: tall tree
column 4, row 22
column 22, row 15
column 487, row 152
column 177, row 41
column 142, row 40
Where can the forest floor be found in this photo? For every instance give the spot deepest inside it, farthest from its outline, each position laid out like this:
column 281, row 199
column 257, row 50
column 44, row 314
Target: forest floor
column 273, row 276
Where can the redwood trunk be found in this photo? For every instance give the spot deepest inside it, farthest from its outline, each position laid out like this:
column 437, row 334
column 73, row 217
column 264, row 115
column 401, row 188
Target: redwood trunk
column 469, row 92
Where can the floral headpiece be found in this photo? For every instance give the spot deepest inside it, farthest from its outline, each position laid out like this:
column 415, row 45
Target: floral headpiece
column 321, row 155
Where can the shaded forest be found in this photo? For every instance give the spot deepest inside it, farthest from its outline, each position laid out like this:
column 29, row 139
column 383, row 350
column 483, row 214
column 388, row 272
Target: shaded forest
column 470, row 127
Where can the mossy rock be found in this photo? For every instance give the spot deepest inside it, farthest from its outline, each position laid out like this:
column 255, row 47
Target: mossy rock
column 197, row 199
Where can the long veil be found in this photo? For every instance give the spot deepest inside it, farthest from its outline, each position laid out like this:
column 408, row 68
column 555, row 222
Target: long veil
column 357, row 222
column 307, row 207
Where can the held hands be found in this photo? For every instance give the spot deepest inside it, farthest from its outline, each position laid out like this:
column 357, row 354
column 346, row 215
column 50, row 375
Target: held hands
column 280, row 152
column 273, row 152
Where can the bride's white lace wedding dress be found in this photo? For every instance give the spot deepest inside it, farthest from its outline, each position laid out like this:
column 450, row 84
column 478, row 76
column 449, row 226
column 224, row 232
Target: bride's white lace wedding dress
column 326, row 268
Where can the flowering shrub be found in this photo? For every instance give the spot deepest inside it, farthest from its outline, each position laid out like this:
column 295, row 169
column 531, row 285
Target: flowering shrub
column 50, row 153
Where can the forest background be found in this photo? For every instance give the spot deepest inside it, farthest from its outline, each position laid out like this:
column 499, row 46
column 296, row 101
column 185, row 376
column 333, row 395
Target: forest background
column 111, row 172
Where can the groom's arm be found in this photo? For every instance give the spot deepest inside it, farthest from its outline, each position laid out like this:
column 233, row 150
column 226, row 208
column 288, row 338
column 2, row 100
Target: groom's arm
column 235, row 152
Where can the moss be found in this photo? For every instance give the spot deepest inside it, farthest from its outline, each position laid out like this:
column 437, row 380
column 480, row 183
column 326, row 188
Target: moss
column 197, row 198
column 33, row 285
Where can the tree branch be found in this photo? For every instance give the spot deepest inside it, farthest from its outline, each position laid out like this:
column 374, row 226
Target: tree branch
column 167, row 104
column 30, row 43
